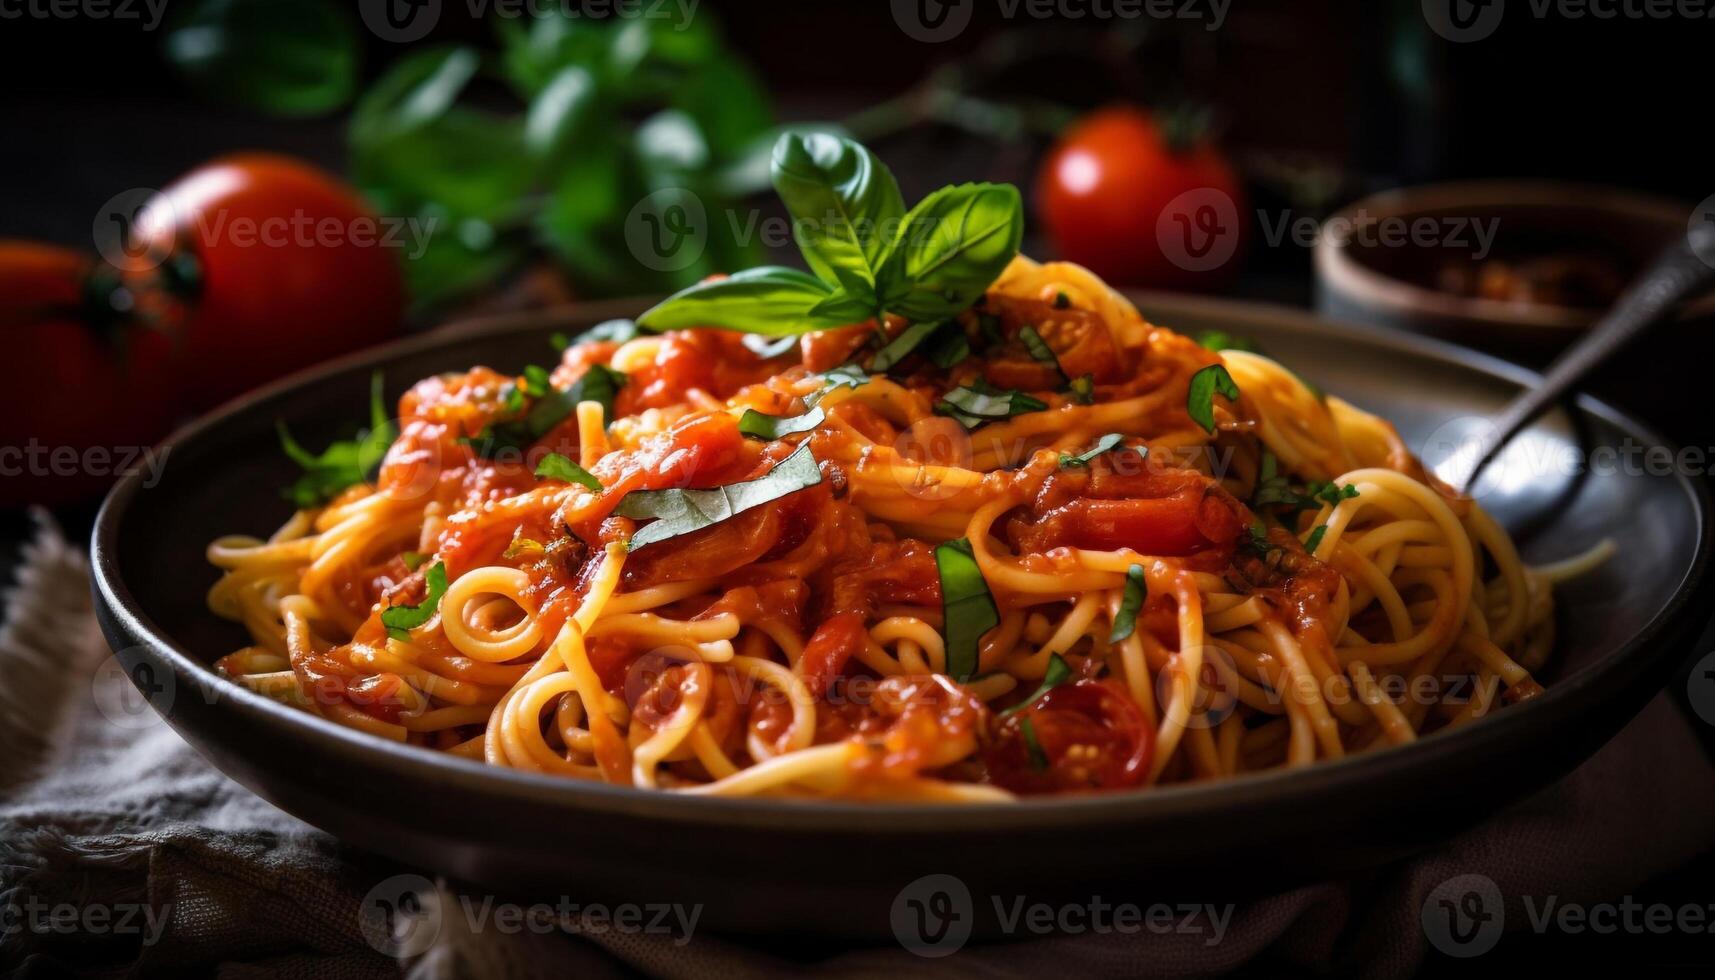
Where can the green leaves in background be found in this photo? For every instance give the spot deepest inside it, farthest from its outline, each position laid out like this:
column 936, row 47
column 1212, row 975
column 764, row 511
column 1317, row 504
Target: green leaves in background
column 284, row 57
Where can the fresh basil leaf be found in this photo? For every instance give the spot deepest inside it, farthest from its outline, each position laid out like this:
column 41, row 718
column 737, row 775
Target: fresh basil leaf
column 1200, row 400
column 676, row 512
column 845, row 204
column 1331, row 493
column 561, row 116
column 901, row 346
column 759, row 426
column 768, row 349
column 1040, row 352
column 557, row 467
column 1105, row 444
column 342, row 464
column 1314, row 541
column 979, row 402
column 1032, row 747
column 1059, row 672
column 967, row 607
column 1256, row 539
column 1131, row 602
column 413, row 559
column 952, row 246
column 400, row 620
column 1273, row 489
column 1062, row 301
column 559, row 341
column 770, row 300
column 283, row 57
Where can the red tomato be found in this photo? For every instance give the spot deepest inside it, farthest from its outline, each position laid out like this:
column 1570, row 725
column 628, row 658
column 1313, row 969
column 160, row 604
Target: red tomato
column 1088, row 735
column 1119, row 197
column 83, row 402
column 291, row 268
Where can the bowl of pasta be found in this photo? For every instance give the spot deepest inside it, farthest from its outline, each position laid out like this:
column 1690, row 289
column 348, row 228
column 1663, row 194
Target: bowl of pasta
column 790, row 589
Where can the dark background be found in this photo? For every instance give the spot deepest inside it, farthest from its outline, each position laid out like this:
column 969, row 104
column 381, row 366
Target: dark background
column 1362, row 95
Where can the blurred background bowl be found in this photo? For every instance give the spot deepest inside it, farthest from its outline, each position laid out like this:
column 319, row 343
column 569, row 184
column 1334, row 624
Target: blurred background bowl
column 1519, row 268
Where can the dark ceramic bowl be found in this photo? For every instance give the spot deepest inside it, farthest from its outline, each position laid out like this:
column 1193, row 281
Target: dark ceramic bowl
column 836, row 868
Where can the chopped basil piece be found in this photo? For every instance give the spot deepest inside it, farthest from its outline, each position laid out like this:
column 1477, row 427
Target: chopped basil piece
column 1041, row 352
column 676, row 512
column 413, row 559
column 400, row 620
column 759, row 426
column 899, row 347
column 1032, row 747
column 1131, row 602
column 557, row 467
column 844, row 376
column 342, row 464
column 1058, row 673
column 988, row 326
column 1106, row 443
column 599, row 384
column 980, row 402
column 1314, row 541
column 1083, row 389
column 1257, row 541
column 1062, row 301
column 1274, row 490
column 559, row 341
column 1205, row 384
column 967, row 608
column 767, row 348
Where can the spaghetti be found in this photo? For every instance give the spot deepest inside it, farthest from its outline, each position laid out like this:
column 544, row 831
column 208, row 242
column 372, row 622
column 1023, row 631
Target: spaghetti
column 1050, row 548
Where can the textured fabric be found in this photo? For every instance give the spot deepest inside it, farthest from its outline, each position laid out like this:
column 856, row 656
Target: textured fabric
column 102, row 809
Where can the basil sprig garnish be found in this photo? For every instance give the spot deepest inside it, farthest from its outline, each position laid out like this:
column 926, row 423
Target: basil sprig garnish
column 342, row 464
column 980, row 402
column 867, row 255
column 1205, row 384
column 1131, row 601
column 1032, row 746
column 551, row 407
column 400, row 620
column 967, row 607
column 899, row 347
column 672, row 513
column 557, row 467
column 1059, row 672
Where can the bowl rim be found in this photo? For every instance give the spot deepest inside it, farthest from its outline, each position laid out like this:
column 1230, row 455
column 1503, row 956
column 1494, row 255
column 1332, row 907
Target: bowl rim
column 124, row 619
column 1338, row 270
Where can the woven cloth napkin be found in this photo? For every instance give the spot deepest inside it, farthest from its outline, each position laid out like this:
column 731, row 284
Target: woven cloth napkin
column 123, row 853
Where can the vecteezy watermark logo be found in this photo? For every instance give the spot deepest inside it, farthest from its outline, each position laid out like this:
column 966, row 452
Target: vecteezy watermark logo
column 400, row 21
column 1465, row 915
column 932, row 21
column 134, row 700
column 1700, row 230
column 401, row 916
column 1461, row 21
column 1700, row 688
column 668, row 230
column 933, row 915
column 147, row 11
column 114, row 230
column 1199, row 230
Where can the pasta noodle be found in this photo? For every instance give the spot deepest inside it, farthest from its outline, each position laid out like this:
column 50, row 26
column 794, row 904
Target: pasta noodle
column 1097, row 593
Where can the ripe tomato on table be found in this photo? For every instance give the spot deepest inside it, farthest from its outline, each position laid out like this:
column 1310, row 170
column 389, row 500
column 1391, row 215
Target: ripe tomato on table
column 265, row 264
column 1142, row 200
